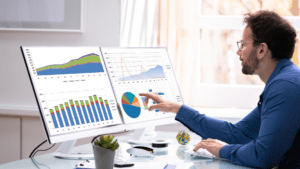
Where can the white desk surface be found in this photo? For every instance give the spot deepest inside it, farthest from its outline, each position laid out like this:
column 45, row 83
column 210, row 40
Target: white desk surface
column 174, row 154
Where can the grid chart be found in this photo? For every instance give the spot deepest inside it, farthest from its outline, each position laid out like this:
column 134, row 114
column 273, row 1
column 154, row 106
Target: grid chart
column 73, row 100
column 142, row 70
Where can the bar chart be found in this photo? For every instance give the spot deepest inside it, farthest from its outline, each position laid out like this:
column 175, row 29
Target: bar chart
column 83, row 112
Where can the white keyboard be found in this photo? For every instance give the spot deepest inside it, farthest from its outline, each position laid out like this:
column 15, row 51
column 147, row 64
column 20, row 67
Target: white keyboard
column 201, row 152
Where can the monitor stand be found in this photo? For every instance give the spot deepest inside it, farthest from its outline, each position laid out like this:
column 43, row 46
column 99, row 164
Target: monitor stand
column 66, row 151
column 143, row 136
column 146, row 136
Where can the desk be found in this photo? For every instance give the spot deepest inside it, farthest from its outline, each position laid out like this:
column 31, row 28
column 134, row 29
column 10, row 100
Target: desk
column 174, row 154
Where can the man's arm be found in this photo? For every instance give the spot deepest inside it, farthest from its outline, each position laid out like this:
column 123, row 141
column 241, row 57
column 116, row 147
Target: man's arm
column 240, row 133
column 280, row 121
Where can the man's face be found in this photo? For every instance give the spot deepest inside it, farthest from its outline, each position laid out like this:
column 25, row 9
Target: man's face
column 248, row 54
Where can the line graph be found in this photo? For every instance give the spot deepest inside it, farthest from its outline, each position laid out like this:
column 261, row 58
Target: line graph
column 156, row 72
column 131, row 66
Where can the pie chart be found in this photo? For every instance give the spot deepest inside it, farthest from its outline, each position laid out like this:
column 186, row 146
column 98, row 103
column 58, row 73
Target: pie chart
column 131, row 105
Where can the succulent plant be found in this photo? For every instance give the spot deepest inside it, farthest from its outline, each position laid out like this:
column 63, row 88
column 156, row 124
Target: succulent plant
column 106, row 141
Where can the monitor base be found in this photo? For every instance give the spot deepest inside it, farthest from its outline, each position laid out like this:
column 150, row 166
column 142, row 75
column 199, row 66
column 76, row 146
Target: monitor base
column 146, row 137
column 75, row 156
column 65, row 152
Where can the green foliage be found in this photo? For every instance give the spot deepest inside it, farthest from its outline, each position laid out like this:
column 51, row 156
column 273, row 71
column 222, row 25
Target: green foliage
column 106, row 141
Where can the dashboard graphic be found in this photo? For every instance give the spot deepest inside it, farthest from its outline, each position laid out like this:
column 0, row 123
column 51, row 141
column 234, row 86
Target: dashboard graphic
column 73, row 88
column 90, row 63
column 141, row 70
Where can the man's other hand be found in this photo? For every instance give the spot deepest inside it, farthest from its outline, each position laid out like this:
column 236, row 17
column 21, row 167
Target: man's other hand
column 162, row 104
column 212, row 145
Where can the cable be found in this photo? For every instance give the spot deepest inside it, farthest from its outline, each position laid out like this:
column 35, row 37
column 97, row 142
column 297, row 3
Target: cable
column 34, row 151
column 110, row 133
column 34, row 161
column 44, row 150
column 37, row 148
column 94, row 138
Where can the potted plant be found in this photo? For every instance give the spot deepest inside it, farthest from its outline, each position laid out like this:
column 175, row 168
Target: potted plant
column 104, row 151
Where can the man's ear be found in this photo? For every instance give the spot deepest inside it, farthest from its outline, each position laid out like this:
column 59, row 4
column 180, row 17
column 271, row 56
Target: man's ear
column 262, row 50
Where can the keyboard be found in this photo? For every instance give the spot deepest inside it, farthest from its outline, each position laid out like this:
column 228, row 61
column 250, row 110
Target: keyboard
column 201, row 152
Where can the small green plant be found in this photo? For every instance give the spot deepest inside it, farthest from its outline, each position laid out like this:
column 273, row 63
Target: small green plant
column 106, row 141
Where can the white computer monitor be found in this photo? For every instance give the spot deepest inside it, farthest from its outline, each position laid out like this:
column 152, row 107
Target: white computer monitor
column 141, row 70
column 84, row 91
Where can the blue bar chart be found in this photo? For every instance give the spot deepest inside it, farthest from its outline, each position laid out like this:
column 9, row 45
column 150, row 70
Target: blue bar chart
column 94, row 108
column 69, row 113
column 98, row 107
column 84, row 112
column 102, row 105
column 59, row 117
column 74, row 112
column 90, row 111
column 80, row 112
column 64, row 114
column 53, row 118
column 108, row 109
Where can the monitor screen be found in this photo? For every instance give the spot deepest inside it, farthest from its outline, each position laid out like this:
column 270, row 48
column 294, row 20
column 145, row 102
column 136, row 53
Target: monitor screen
column 87, row 91
column 141, row 70
column 73, row 92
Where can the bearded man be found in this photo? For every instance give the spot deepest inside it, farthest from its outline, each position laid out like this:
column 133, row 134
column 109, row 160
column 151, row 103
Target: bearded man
column 268, row 136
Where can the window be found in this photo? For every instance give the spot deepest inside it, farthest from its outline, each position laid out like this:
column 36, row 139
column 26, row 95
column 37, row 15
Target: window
column 220, row 27
column 201, row 39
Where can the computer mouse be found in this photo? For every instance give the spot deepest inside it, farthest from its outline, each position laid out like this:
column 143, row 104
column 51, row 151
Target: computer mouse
column 140, row 151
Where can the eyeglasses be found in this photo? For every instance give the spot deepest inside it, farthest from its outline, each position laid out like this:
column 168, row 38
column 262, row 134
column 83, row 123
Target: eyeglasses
column 241, row 45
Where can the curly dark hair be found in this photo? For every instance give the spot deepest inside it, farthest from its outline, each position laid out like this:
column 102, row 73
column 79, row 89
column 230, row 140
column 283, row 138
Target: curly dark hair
column 274, row 30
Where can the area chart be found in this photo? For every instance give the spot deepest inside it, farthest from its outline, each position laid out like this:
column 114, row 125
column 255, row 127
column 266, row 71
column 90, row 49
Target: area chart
column 90, row 63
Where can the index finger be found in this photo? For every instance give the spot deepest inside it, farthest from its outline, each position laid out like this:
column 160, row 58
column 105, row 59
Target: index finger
column 152, row 96
column 144, row 94
column 198, row 146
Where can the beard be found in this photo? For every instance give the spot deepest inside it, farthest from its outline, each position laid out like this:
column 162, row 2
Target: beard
column 251, row 64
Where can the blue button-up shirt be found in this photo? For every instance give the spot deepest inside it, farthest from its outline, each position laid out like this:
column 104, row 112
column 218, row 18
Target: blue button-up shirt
column 268, row 136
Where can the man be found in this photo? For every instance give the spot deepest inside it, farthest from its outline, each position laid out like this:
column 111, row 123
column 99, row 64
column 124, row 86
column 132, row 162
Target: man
column 268, row 136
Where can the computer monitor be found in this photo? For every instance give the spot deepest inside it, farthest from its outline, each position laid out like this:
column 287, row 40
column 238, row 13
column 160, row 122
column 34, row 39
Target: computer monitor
column 141, row 70
column 86, row 91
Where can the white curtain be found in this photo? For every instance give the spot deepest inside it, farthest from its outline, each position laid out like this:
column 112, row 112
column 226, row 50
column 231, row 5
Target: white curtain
column 166, row 23
column 178, row 31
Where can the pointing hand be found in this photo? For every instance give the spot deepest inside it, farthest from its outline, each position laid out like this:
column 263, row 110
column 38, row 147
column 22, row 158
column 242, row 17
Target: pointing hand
column 162, row 104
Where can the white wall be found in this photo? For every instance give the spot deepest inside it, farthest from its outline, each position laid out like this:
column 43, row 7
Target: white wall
column 101, row 27
column 20, row 132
